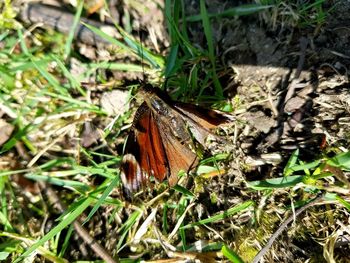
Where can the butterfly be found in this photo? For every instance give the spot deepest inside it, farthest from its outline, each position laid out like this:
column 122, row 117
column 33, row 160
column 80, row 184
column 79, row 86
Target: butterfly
column 160, row 143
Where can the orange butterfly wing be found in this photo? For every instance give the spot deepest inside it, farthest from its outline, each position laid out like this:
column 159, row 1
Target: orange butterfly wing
column 145, row 154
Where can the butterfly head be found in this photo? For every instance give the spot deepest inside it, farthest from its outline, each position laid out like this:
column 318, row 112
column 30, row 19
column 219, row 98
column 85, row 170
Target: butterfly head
column 156, row 100
column 147, row 90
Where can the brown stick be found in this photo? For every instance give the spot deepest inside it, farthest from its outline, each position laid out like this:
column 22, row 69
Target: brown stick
column 279, row 231
column 62, row 21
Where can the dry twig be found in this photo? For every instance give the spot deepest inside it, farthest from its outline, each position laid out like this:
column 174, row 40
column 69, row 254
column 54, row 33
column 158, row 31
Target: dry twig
column 279, row 231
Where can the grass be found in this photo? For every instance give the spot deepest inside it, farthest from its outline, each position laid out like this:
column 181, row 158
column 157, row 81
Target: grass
column 299, row 14
column 49, row 107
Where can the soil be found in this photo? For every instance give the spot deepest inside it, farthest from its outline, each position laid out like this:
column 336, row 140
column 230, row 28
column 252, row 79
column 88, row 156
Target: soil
column 293, row 84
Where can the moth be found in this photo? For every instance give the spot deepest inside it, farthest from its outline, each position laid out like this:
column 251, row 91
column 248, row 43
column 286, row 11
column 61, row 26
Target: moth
column 160, row 142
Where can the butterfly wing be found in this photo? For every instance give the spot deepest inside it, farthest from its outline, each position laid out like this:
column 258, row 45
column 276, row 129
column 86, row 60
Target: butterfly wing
column 201, row 120
column 145, row 154
column 179, row 155
column 206, row 117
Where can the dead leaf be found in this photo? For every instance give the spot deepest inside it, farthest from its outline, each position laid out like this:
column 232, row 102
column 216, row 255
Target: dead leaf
column 6, row 130
column 90, row 135
column 115, row 102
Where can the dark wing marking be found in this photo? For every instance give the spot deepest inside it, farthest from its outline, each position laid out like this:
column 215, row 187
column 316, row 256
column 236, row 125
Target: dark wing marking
column 201, row 120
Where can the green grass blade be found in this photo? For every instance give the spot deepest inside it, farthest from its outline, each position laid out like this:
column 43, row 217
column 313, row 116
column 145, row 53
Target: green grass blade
column 231, row 211
column 211, row 50
column 342, row 201
column 134, row 48
column 341, row 160
column 4, row 35
column 311, row 5
column 168, row 14
column 291, row 162
column 5, row 222
column 112, row 40
column 78, row 186
column 66, row 243
column 4, row 255
column 171, row 61
column 105, row 172
column 105, row 194
column 183, row 190
column 178, row 38
column 116, row 66
column 242, row 10
column 63, row 224
column 40, row 250
column 127, row 225
column 143, row 53
column 68, row 45
column 28, row 65
column 19, row 135
column 231, row 255
column 79, row 103
column 304, row 166
column 276, row 183
column 51, row 80
column 68, row 75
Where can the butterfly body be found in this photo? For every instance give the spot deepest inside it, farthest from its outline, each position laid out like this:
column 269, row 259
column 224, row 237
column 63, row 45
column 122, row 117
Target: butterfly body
column 160, row 143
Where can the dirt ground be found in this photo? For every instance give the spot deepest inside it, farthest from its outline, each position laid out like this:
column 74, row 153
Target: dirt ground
column 294, row 87
column 290, row 90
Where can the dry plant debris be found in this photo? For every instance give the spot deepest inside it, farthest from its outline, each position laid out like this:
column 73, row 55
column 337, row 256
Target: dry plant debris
column 66, row 104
